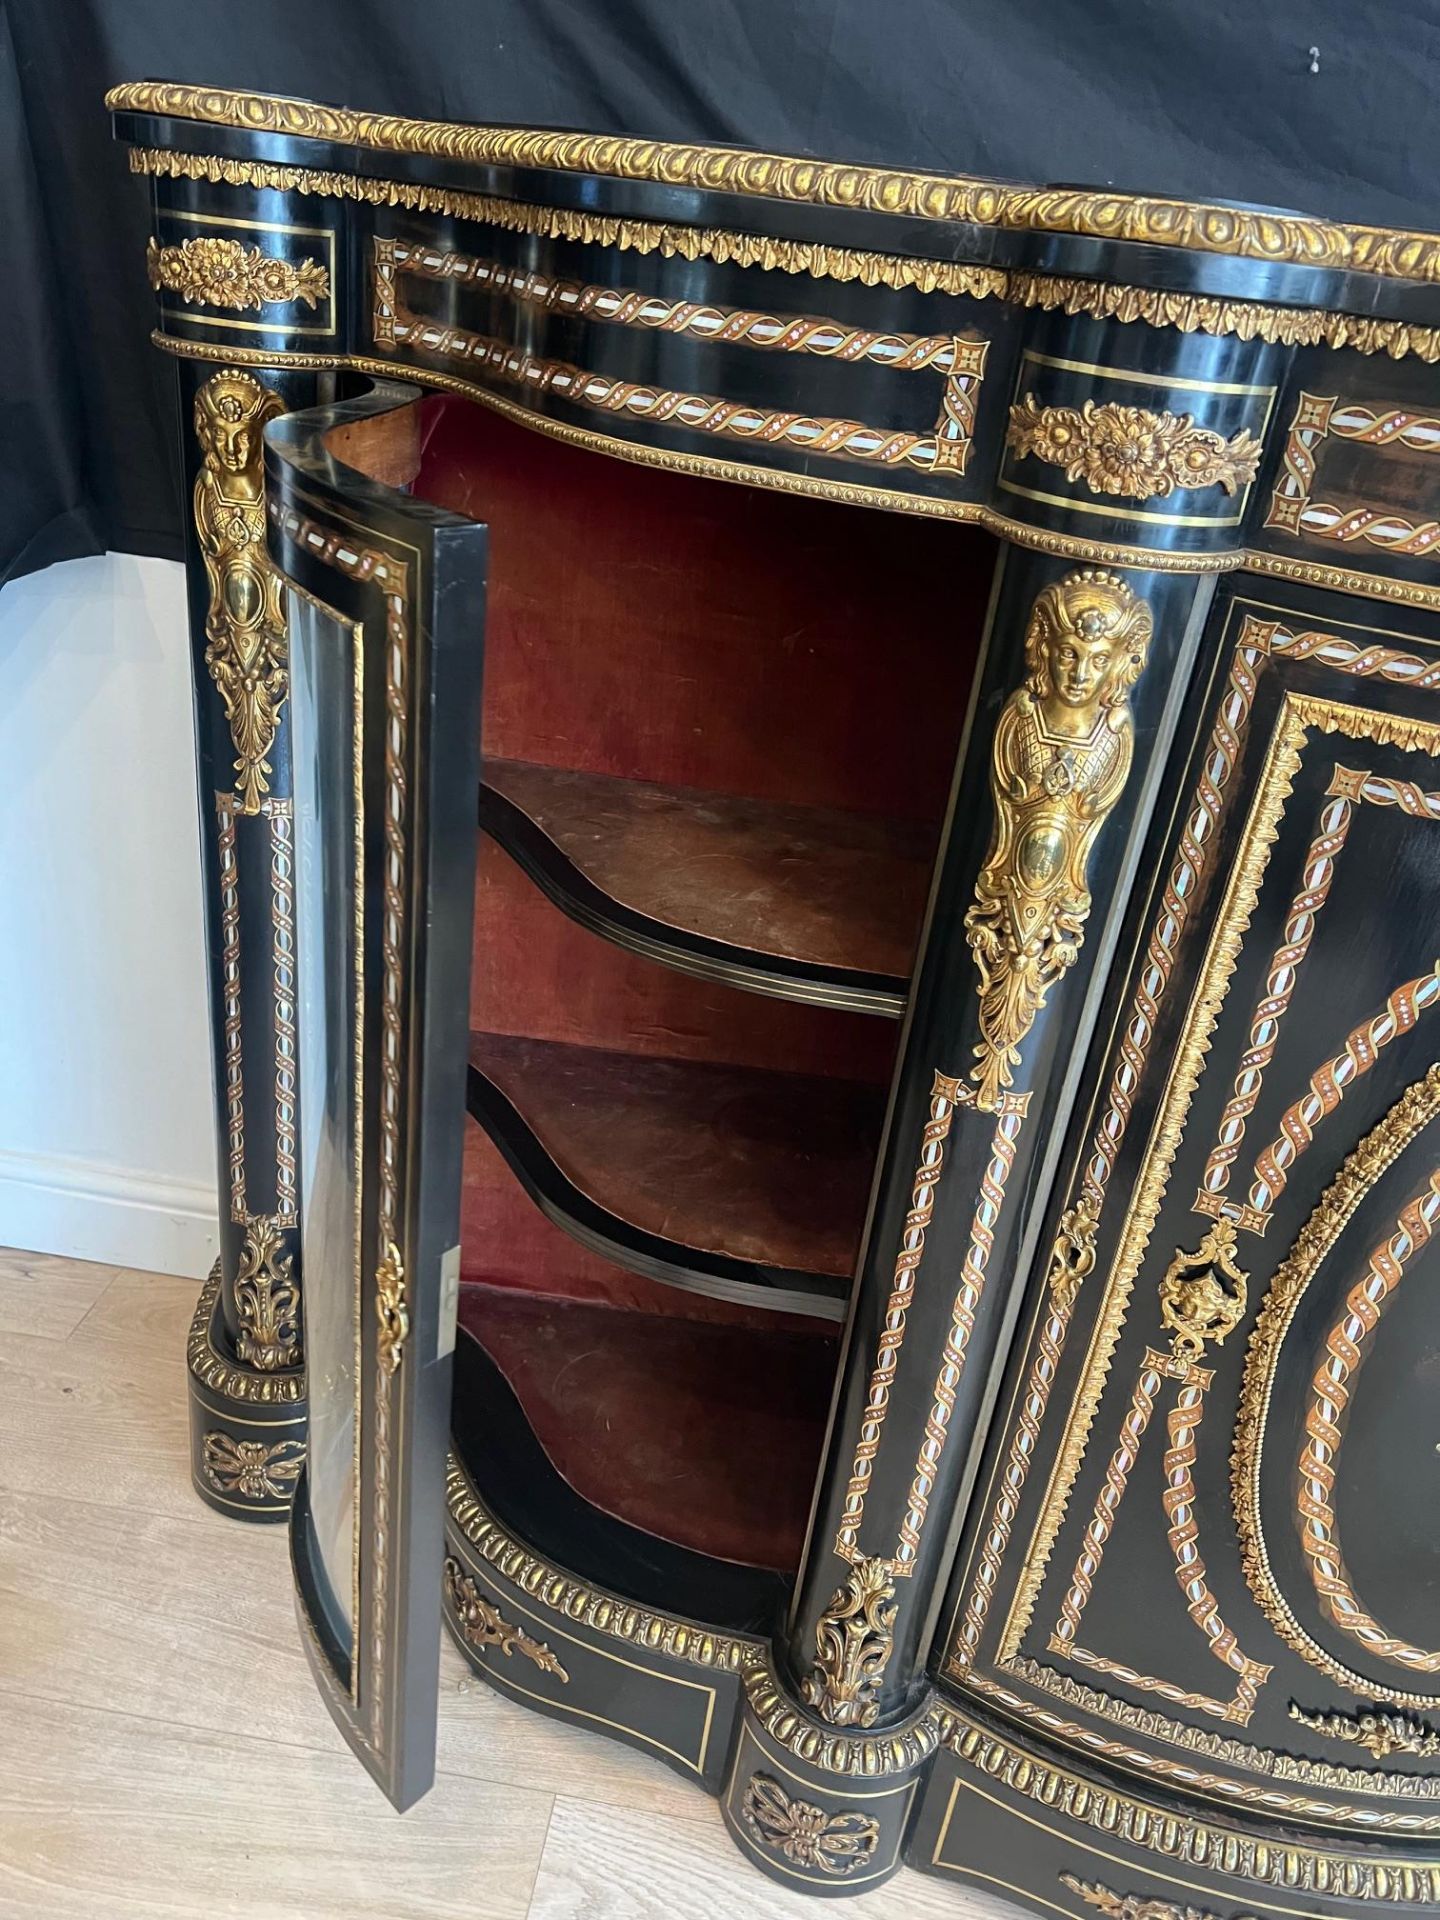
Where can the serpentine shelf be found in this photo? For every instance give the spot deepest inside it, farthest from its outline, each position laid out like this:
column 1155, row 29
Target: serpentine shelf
column 685, row 1452
column 743, row 1184
column 801, row 903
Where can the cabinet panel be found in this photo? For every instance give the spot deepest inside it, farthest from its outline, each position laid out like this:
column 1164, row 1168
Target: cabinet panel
column 1202, row 1542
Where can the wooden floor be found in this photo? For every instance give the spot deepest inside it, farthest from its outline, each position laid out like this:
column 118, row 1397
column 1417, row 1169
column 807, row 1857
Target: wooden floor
column 163, row 1751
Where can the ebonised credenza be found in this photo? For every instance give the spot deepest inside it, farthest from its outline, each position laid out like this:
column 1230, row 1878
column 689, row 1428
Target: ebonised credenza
column 839, row 1164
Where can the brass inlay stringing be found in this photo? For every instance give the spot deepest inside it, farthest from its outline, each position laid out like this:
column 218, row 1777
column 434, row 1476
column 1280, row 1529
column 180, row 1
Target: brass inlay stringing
column 1348, row 788
column 1061, row 756
column 216, row 272
column 1130, row 451
column 666, row 460
column 706, row 413
column 1411, row 1114
column 254, row 1469
column 1251, row 233
column 1270, row 1859
column 1379, row 790
column 381, row 567
column 1159, row 307
column 283, row 982
column 231, row 1003
column 1073, row 1257
column 1223, row 1748
column 834, row 1844
column 483, row 1624
column 1372, row 661
column 965, row 1306
column 1253, row 649
column 945, row 447
column 1204, row 313
column 854, row 1640
column 1317, row 874
column 1059, row 761
column 1202, row 1300
column 1292, row 508
column 854, row 1635
column 1297, row 716
column 628, row 307
column 1199, row 1307
column 246, row 650
column 1072, row 1260
column 1325, row 1422
column 944, row 1095
column 1235, row 1753
column 1197, row 842
column 1379, row 1733
column 1134, row 1906
column 267, row 1298
column 671, row 240
column 1328, row 1084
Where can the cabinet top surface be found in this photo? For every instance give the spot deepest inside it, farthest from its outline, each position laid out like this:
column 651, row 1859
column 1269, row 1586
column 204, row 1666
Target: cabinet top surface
column 993, row 207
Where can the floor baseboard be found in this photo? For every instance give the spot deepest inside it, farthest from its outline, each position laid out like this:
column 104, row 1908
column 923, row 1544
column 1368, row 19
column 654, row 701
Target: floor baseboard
column 91, row 1210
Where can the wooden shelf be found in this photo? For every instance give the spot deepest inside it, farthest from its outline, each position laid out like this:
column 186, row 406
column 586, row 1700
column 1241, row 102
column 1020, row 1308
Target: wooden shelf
column 704, row 1436
column 739, row 1183
column 805, row 903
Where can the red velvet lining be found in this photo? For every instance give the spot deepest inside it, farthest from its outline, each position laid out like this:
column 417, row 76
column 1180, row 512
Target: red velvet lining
column 724, row 640
column 662, row 627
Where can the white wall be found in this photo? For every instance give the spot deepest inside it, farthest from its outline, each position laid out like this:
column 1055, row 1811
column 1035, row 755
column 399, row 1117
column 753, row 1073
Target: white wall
column 107, row 1147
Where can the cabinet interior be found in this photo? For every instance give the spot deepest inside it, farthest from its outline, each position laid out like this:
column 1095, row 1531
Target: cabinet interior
column 718, row 733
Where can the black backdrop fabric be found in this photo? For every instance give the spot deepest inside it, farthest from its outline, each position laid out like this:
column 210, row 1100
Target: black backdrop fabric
column 1325, row 106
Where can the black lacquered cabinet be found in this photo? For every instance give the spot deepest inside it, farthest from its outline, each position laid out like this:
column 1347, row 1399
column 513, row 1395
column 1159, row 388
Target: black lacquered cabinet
column 889, row 1030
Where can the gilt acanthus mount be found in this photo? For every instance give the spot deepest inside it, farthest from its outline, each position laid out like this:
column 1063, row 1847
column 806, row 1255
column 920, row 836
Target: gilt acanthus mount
column 267, row 1298
column 855, row 1637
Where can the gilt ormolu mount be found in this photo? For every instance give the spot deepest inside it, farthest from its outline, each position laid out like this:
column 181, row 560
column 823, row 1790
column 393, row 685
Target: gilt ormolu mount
column 1113, row 1593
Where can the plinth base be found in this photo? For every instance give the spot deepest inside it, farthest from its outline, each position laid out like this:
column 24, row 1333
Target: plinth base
column 825, row 1807
column 819, row 1808
column 247, row 1429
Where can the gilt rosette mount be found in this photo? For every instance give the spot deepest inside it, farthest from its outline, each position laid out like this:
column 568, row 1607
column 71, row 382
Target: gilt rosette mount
column 218, row 272
column 1132, row 452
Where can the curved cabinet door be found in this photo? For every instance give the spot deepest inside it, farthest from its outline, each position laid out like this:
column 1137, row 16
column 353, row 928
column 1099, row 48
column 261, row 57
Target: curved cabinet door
column 1206, row 1541
column 385, row 611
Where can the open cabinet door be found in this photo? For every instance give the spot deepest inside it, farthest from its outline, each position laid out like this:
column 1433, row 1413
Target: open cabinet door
column 385, row 600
